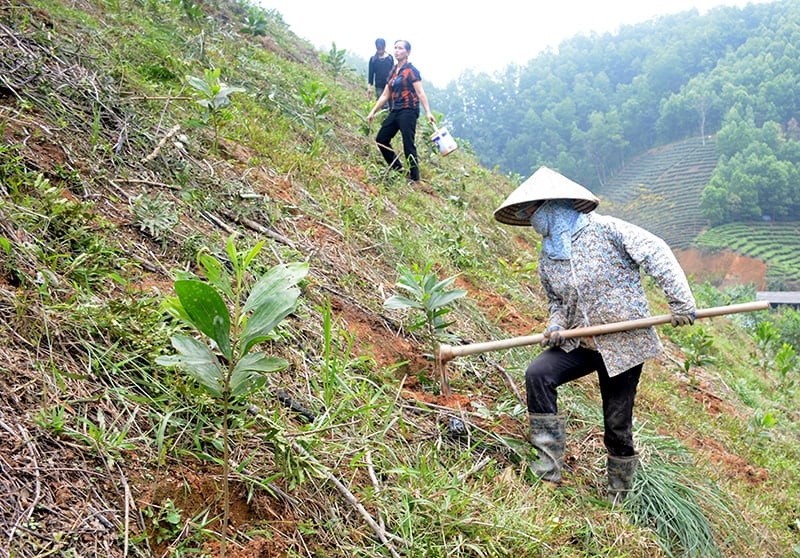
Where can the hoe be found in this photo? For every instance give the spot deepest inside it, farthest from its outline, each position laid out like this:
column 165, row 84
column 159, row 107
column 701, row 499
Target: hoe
column 446, row 353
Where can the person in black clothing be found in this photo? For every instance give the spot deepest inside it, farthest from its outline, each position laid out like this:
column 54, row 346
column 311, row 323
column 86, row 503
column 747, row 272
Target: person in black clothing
column 404, row 87
column 380, row 64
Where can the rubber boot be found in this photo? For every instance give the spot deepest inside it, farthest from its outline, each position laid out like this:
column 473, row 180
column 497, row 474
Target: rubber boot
column 548, row 436
column 620, row 477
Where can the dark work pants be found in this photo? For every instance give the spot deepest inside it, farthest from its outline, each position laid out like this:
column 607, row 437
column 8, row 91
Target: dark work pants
column 555, row 367
column 404, row 121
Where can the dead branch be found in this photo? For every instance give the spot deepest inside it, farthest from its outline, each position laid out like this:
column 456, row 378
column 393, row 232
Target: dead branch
column 174, row 130
column 261, row 229
column 350, row 497
column 510, row 382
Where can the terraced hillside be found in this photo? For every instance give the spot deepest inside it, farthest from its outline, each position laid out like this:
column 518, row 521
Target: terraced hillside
column 660, row 190
column 777, row 244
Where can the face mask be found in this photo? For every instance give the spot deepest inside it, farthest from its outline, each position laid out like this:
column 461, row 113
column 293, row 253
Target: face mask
column 540, row 221
column 557, row 221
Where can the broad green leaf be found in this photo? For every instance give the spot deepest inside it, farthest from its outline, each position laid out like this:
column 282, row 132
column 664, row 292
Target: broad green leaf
column 198, row 361
column 429, row 282
column 267, row 316
column 413, row 289
column 233, row 254
column 172, row 306
column 230, row 89
column 207, row 312
column 199, row 85
column 249, row 371
column 215, row 273
column 280, row 278
column 443, row 284
column 396, row 302
column 438, row 300
column 252, row 253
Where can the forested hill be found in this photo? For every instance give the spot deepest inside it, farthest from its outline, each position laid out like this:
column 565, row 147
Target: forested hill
column 661, row 188
column 601, row 99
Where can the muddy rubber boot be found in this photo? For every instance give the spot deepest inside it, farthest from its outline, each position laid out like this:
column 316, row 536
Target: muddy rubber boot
column 548, row 435
column 620, row 477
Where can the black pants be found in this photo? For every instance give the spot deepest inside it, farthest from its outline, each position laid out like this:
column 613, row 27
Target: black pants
column 404, row 121
column 555, row 367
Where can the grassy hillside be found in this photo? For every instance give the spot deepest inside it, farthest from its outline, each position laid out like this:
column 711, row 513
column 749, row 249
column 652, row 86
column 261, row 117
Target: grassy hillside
column 120, row 172
column 777, row 244
column 660, row 190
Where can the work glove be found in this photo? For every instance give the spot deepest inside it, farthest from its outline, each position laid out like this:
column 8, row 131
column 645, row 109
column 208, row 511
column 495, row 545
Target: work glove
column 683, row 319
column 552, row 337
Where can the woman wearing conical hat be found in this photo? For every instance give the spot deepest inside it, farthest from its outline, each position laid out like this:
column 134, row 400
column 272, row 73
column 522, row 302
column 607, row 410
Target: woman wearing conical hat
column 590, row 268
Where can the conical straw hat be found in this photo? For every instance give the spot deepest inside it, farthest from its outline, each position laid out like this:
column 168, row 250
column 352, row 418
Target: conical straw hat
column 544, row 184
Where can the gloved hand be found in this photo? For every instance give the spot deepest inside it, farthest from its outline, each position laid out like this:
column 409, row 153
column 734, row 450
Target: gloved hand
column 552, row 337
column 683, row 319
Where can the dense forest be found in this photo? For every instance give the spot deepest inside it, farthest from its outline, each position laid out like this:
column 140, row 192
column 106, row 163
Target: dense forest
column 599, row 100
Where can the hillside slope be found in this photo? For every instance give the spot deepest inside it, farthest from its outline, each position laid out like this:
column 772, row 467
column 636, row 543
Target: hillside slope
column 661, row 188
column 115, row 179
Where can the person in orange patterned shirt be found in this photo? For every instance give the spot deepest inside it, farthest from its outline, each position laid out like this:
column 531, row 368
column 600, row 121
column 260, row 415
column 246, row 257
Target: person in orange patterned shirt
column 405, row 90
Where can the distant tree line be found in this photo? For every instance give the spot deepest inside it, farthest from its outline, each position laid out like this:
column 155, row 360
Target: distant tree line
column 602, row 99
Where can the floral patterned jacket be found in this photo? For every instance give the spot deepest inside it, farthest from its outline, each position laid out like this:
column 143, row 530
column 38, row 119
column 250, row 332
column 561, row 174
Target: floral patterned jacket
column 602, row 283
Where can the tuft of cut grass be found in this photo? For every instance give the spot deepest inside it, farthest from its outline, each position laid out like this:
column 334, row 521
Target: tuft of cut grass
column 677, row 504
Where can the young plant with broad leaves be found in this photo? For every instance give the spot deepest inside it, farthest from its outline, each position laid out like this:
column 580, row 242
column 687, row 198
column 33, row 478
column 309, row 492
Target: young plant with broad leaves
column 214, row 97
column 223, row 355
column 430, row 300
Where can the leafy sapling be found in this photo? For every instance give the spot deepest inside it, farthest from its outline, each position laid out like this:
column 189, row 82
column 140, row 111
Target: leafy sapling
column 214, row 97
column 335, row 60
column 431, row 300
column 224, row 360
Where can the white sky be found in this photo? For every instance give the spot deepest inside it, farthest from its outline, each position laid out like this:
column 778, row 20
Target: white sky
column 449, row 36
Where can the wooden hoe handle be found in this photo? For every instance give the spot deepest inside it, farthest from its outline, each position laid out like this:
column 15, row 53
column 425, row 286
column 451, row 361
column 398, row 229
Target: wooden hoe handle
column 445, row 353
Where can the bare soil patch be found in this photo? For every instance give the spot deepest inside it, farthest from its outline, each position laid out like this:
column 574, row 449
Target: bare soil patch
column 723, row 269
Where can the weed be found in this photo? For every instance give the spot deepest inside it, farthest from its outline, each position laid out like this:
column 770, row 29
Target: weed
column 155, row 216
column 52, row 419
column 107, row 439
column 165, row 520
column 678, row 506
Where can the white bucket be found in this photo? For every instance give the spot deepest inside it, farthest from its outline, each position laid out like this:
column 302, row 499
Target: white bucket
column 444, row 141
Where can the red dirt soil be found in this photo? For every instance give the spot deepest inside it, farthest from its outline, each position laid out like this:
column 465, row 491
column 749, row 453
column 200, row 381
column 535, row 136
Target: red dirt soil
column 723, row 269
